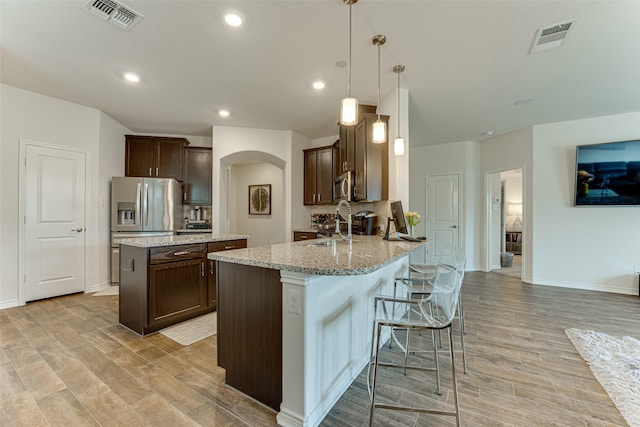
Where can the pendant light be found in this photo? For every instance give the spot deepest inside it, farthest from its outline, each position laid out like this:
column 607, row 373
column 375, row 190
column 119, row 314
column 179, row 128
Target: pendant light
column 349, row 105
column 379, row 127
column 398, row 143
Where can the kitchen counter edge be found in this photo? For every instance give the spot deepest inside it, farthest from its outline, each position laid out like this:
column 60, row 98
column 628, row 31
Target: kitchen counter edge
column 308, row 259
column 185, row 239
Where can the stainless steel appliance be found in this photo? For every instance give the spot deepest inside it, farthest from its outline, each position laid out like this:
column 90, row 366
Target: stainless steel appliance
column 343, row 187
column 364, row 223
column 142, row 207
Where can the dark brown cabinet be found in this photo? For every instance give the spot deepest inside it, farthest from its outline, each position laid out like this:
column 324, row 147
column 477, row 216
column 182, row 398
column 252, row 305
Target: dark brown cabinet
column 318, row 176
column 299, row 236
column 346, row 147
column 176, row 289
column 154, row 156
column 371, row 167
column 165, row 285
column 211, row 279
column 197, row 176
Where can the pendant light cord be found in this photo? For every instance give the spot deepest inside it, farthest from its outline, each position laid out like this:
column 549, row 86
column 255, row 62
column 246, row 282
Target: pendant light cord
column 378, row 106
column 349, row 85
column 398, row 104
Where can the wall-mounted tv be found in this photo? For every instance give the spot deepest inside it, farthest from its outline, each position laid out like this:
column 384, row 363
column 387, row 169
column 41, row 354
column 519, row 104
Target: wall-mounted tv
column 608, row 174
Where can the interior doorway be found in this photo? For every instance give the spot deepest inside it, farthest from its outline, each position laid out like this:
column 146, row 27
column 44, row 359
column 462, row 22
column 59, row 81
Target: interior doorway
column 505, row 222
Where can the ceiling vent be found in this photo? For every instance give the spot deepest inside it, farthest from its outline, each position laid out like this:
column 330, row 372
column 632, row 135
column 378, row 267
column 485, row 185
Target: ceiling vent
column 112, row 11
column 550, row 37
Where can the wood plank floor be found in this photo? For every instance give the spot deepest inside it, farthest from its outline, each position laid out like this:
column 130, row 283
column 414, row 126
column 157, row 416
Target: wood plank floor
column 66, row 362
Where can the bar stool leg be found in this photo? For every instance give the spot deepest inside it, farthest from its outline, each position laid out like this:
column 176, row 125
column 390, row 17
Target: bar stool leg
column 453, row 376
column 375, row 374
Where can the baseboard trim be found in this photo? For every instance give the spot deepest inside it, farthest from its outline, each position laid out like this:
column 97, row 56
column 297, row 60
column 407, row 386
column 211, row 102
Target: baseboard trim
column 10, row 304
column 587, row 287
column 98, row 287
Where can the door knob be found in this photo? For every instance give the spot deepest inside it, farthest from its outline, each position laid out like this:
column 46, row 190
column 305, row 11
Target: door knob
column 453, row 226
column 79, row 230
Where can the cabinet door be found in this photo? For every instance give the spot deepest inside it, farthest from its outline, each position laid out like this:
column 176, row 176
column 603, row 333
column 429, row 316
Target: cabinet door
column 211, row 285
column 310, row 174
column 176, row 289
column 347, row 148
column 169, row 158
column 362, row 132
column 324, row 177
column 197, row 176
column 139, row 157
column 211, row 279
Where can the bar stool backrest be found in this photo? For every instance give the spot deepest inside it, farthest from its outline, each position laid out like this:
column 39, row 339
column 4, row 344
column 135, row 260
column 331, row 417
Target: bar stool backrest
column 440, row 306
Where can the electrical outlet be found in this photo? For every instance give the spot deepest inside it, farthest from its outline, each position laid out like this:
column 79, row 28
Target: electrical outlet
column 293, row 301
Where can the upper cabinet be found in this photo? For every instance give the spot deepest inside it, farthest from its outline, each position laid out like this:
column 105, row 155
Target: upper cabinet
column 318, row 176
column 371, row 167
column 197, row 176
column 155, row 156
column 345, row 153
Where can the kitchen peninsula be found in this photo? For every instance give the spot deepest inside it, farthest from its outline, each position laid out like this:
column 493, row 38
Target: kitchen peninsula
column 166, row 280
column 294, row 319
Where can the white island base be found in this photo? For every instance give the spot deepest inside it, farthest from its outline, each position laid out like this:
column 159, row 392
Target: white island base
column 326, row 337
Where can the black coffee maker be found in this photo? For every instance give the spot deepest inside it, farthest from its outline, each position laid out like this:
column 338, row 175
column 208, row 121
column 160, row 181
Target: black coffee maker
column 364, row 223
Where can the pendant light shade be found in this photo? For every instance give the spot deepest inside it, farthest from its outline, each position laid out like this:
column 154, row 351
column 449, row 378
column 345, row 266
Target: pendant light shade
column 379, row 132
column 379, row 127
column 348, row 111
column 349, row 105
column 398, row 143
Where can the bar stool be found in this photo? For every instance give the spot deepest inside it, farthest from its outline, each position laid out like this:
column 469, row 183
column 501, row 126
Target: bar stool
column 419, row 284
column 436, row 312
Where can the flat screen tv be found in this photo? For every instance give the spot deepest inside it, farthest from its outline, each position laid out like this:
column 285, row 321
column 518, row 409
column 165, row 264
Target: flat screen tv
column 608, row 174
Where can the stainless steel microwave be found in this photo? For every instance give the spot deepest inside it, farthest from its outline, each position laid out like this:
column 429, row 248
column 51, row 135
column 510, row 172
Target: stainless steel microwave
column 343, row 187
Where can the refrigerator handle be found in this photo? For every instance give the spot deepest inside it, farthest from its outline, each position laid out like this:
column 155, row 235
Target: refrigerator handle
column 145, row 207
column 138, row 213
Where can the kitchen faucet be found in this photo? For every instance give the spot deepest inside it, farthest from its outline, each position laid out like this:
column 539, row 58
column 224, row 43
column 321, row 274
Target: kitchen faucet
column 341, row 204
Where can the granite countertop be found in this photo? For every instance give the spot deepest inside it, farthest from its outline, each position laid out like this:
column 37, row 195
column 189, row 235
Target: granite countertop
column 185, row 239
column 325, row 257
column 195, row 230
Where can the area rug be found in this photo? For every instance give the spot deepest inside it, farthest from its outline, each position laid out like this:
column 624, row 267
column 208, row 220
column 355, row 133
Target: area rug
column 194, row 330
column 111, row 290
column 615, row 362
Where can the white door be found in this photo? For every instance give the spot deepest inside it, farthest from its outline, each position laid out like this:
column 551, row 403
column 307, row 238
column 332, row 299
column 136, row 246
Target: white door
column 442, row 215
column 54, row 222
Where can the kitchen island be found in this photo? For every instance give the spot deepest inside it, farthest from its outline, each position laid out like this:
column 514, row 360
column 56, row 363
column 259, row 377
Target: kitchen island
column 294, row 319
column 166, row 280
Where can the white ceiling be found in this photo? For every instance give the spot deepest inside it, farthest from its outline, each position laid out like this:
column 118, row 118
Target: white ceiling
column 467, row 62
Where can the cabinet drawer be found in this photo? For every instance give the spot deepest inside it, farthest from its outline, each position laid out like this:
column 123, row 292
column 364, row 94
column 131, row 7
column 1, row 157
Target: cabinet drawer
column 226, row 245
column 176, row 253
column 303, row 235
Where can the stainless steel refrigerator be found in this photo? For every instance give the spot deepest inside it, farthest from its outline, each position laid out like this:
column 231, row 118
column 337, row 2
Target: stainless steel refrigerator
column 142, row 207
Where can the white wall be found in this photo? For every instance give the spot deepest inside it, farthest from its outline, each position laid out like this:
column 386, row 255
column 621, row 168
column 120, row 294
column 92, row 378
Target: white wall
column 513, row 194
column 28, row 115
column 507, row 152
column 111, row 161
column 233, row 145
column 262, row 229
column 584, row 247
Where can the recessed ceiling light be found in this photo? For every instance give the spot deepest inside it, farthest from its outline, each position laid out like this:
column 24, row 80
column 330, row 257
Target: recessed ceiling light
column 318, row 85
column 233, row 19
column 487, row 133
column 132, row 77
column 341, row 64
column 223, row 113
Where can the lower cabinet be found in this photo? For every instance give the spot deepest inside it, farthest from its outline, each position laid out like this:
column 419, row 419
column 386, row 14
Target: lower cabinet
column 211, row 279
column 165, row 285
column 176, row 289
column 304, row 235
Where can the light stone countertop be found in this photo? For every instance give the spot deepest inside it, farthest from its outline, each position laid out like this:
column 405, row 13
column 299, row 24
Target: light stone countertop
column 185, row 239
column 365, row 255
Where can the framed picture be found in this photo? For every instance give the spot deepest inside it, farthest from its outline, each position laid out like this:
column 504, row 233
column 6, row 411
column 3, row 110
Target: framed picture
column 260, row 199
